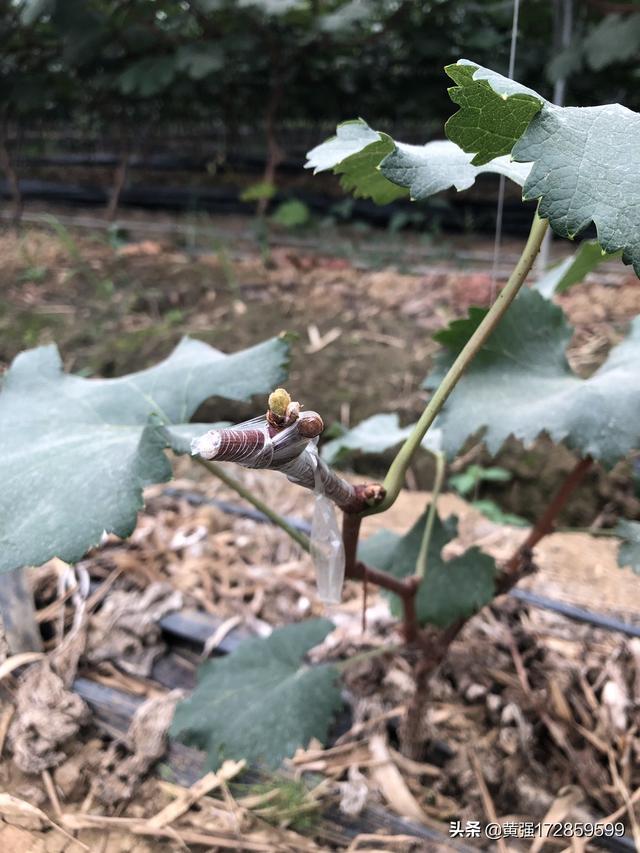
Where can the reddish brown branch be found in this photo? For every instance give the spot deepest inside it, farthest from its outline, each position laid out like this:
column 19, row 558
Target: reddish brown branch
column 435, row 643
column 512, row 570
column 119, row 181
column 13, row 182
column 350, row 535
column 404, row 588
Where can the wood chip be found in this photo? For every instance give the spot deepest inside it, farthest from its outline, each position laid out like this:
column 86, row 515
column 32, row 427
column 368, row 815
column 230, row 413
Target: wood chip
column 191, row 795
column 50, row 788
column 139, row 826
column 487, row 802
column 212, row 642
column 15, row 661
column 558, row 811
column 317, row 341
column 5, row 722
column 391, row 784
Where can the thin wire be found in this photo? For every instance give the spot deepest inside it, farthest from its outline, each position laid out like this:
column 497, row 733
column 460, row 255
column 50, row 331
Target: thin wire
column 559, row 91
column 498, row 238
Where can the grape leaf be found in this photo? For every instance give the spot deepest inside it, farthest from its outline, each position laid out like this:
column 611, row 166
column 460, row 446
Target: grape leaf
column 291, row 214
column 272, row 7
column 261, row 702
column 494, row 111
column 450, row 590
column 471, row 477
column 493, row 512
column 377, row 550
column 373, row 166
column 521, row 384
column 615, row 39
column 429, row 169
column 199, row 60
column 351, row 138
column 355, row 152
column 374, row 435
column 586, row 168
column 586, row 160
column 629, row 551
column 573, row 269
column 148, row 76
column 76, row 453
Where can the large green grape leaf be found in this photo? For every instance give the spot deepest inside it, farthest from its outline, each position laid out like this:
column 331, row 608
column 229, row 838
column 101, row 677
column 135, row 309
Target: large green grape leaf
column 374, row 435
column 521, row 384
column 76, row 452
column 374, row 166
column 586, row 160
column 452, row 589
column 629, row 551
column 573, row 269
column 586, row 168
column 493, row 114
column 261, row 702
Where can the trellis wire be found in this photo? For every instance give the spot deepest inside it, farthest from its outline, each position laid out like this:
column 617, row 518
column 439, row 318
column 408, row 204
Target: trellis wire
column 498, row 237
column 563, row 28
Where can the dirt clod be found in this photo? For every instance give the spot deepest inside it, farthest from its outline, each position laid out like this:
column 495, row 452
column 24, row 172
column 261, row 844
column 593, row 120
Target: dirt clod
column 128, row 760
column 47, row 717
column 125, row 630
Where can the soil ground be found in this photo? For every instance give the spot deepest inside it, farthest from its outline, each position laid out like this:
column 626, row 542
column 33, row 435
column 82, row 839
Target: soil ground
column 532, row 717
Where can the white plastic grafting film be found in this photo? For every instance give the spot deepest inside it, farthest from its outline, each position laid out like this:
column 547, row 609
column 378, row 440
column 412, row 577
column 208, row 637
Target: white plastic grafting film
column 250, row 444
column 327, row 549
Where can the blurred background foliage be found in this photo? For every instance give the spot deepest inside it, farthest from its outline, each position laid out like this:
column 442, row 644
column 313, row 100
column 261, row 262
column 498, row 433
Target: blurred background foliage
column 269, row 77
column 140, row 62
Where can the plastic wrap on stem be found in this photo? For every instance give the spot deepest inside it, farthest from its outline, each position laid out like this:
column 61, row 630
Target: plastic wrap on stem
column 257, row 443
column 327, row 546
column 312, row 472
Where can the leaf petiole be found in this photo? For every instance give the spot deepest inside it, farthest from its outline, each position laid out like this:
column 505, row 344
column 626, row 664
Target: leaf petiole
column 396, row 474
column 423, row 553
column 219, row 472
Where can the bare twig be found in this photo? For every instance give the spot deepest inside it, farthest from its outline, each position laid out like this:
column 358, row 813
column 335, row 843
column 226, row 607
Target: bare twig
column 435, row 642
column 487, row 801
column 189, row 796
column 513, row 568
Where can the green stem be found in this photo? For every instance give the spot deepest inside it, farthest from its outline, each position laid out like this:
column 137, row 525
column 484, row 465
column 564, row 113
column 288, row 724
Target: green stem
column 423, row 554
column 219, row 472
column 398, row 469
